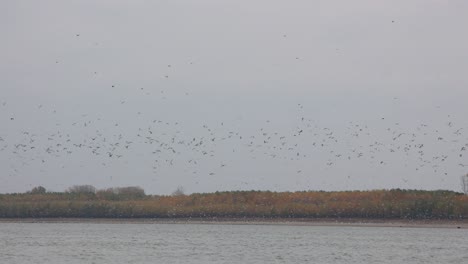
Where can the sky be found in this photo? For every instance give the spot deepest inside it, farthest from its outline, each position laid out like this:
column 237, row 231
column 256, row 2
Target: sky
column 233, row 95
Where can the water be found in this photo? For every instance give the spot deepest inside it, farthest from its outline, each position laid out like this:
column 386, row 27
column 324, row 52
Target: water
column 220, row 243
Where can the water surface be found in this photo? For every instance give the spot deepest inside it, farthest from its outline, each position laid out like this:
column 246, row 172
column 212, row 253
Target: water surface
column 224, row 243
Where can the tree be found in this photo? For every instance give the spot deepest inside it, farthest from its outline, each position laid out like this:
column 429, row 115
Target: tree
column 122, row 193
column 82, row 189
column 133, row 191
column 38, row 190
column 129, row 192
column 464, row 183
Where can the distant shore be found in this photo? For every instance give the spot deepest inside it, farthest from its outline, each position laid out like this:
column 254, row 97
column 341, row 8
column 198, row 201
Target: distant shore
column 378, row 207
column 353, row 222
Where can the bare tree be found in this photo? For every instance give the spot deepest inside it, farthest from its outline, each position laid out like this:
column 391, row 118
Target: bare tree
column 179, row 191
column 464, row 183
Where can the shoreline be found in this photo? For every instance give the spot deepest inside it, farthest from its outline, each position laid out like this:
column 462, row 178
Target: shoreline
column 345, row 222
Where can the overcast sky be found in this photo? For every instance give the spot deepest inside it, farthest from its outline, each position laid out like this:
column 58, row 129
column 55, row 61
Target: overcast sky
column 233, row 95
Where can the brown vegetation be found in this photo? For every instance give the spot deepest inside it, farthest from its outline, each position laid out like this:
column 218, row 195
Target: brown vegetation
column 131, row 202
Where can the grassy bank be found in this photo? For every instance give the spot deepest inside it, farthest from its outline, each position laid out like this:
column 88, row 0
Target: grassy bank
column 379, row 204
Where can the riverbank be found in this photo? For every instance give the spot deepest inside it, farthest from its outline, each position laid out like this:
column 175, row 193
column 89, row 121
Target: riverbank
column 401, row 223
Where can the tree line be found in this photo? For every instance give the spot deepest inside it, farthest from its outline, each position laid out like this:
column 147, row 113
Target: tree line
column 131, row 202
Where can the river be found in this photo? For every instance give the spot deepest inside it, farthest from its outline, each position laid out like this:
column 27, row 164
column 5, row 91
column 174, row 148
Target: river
column 92, row 242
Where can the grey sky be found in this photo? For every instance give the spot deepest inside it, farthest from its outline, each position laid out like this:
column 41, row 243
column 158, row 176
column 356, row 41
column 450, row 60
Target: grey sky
column 381, row 84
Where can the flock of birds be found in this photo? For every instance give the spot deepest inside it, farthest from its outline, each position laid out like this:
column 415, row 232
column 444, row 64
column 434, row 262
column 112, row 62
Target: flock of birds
column 170, row 143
